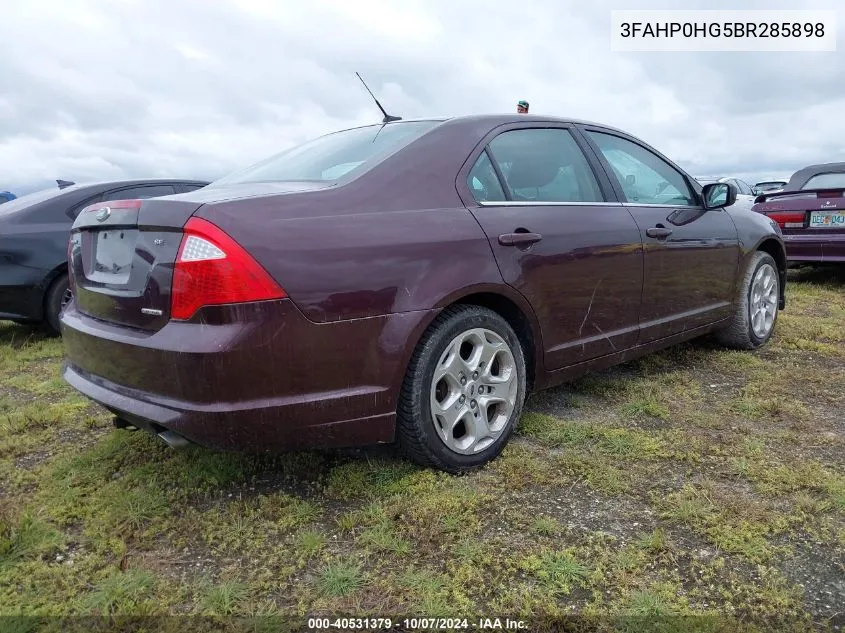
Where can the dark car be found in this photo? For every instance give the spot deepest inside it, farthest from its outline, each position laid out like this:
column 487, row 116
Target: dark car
column 811, row 211
column 34, row 232
column 408, row 282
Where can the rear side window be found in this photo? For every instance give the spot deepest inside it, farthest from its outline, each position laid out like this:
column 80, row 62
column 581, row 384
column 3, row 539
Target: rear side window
column 744, row 188
column 186, row 188
column 483, row 181
column 152, row 191
column 645, row 178
column 544, row 165
column 825, row 181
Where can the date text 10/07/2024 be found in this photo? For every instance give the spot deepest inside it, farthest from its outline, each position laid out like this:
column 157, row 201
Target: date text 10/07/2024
column 412, row 624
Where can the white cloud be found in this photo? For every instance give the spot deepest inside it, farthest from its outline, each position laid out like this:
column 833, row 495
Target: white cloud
column 132, row 88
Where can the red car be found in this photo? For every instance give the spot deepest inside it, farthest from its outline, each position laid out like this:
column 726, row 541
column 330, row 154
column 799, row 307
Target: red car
column 810, row 210
column 407, row 282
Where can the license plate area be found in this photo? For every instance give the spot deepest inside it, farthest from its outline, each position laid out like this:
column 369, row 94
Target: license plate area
column 113, row 251
column 827, row 220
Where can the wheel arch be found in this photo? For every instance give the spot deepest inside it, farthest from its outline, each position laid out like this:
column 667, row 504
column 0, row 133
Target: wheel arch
column 51, row 278
column 776, row 249
column 508, row 304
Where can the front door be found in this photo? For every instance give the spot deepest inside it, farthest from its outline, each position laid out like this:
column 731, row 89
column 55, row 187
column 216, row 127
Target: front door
column 560, row 240
column 691, row 255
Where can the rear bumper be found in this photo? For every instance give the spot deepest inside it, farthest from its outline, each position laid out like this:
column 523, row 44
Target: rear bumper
column 258, row 377
column 826, row 248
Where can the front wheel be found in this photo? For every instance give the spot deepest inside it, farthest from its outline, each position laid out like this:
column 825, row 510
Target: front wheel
column 757, row 307
column 463, row 392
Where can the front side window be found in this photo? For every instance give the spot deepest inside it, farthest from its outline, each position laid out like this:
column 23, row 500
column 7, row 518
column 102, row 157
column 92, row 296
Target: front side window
column 333, row 156
column 645, row 178
column 544, row 165
column 825, row 181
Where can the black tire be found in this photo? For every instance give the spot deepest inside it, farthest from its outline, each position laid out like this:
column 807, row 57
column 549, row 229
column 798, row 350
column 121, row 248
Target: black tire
column 739, row 334
column 416, row 433
column 54, row 302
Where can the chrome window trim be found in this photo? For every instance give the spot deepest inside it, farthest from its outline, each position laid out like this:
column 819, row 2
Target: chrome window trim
column 528, row 203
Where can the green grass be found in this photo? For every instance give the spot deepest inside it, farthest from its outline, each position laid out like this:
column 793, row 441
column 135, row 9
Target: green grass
column 691, row 481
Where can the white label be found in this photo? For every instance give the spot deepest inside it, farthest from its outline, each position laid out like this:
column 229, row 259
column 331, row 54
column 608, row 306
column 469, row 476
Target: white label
column 728, row 30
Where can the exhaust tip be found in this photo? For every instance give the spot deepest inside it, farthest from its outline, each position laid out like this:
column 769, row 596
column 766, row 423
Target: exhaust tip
column 174, row 440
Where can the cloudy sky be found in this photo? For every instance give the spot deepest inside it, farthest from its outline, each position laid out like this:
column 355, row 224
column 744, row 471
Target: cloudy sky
column 109, row 89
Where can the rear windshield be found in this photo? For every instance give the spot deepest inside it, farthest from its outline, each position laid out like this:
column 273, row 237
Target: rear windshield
column 825, row 181
column 333, row 156
column 19, row 204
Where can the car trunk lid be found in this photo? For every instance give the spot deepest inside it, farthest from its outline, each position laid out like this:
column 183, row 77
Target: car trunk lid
column 816, row 211
column 121, row 255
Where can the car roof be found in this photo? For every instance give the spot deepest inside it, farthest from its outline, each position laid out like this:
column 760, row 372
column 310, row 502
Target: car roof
column 800, row 177
column 500, row 119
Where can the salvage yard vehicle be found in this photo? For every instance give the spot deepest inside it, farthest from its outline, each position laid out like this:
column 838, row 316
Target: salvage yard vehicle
column 810, row 210
column 407, row 282
column 34, row 232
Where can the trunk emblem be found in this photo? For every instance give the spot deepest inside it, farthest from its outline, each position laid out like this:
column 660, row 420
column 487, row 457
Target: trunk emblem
column 103, row 214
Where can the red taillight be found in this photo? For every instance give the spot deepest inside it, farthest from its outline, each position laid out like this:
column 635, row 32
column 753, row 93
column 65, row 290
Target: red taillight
column 788, row 219
column 212, row 269
column 830, row 194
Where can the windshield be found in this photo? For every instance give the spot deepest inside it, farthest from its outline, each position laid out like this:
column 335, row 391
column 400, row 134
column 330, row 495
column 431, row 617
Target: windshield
column 826, row 181
column 333, row 156
column 28, row 200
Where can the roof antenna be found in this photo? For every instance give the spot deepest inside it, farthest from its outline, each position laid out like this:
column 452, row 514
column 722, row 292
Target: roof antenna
column 387, row 117
column 64, row 183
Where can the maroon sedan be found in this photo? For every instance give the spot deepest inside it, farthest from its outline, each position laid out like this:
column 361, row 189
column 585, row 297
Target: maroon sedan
column 811, row 211
column 407, row 282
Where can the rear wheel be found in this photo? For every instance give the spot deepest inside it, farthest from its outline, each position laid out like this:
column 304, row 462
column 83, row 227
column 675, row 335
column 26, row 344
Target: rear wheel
column 57, row 297
column 463, row 391
column 757, row 306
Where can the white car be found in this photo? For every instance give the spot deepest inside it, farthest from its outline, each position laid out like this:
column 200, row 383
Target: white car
column 771, row 185
column 744, row 190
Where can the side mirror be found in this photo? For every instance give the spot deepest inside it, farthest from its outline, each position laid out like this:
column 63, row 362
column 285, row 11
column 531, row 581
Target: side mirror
column 718, row 195
column 630, row 180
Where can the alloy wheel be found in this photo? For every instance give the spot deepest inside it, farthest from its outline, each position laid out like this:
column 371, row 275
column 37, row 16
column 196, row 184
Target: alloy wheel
column 764, row 301
column 473, row 391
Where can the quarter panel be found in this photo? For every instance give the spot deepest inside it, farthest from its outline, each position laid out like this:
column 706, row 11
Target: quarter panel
column 369, row 264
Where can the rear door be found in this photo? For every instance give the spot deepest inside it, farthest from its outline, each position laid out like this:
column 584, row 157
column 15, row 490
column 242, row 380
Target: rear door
column 559, row 238
column 691, row 255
